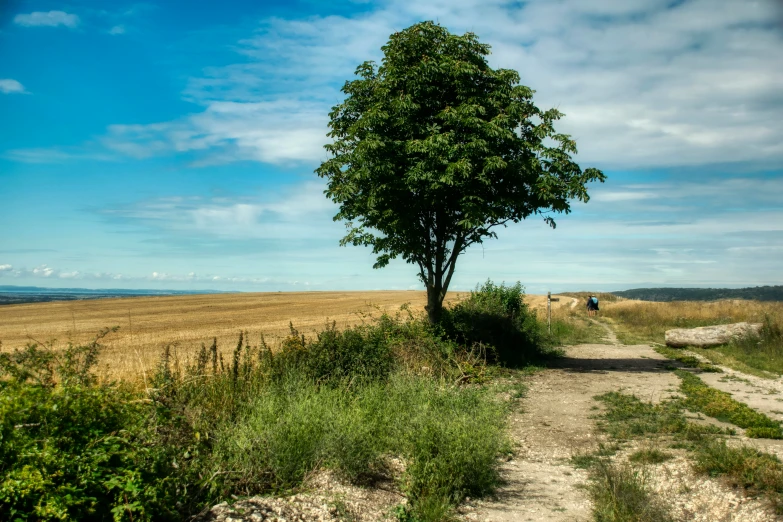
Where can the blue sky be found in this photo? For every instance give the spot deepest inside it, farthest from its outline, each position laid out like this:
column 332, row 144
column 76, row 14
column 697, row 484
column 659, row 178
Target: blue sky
column 172, row 144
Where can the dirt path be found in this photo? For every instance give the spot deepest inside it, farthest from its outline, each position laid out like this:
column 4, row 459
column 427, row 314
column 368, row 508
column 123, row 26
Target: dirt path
column 554, row 423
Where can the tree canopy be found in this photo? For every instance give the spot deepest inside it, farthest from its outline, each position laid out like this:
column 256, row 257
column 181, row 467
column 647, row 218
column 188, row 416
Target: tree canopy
column 433, row 149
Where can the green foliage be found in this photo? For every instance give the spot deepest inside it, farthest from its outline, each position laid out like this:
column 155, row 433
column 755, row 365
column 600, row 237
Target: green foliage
column 71, row 449
column 497, row 317
column 744, row 466
column 718, row 404
column 256, row 421
column 433, row 149
column 361, row 352
column 626, row 416
column 449, row 436
column 763, row 351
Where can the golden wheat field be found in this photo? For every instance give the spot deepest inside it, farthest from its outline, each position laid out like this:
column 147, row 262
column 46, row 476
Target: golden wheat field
column 148, row 324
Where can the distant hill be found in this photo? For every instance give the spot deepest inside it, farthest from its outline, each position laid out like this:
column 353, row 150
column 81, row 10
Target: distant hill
column 759, row 293
column 34, row 294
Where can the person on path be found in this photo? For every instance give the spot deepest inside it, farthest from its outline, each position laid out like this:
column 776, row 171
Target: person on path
column 592, row 305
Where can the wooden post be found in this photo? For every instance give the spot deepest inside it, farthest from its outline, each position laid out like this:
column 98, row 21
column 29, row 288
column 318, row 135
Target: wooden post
column 549, row 312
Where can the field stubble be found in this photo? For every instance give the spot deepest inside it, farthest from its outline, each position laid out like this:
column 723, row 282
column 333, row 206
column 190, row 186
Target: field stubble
column 149, row 324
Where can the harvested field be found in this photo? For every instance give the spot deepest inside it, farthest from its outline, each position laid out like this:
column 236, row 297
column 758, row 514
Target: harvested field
column 148, row 324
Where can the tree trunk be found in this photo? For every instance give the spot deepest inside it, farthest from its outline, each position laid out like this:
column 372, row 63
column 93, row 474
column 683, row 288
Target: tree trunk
column 434, row 304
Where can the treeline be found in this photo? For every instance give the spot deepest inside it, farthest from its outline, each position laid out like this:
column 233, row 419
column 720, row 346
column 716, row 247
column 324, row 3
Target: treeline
column 758, row 293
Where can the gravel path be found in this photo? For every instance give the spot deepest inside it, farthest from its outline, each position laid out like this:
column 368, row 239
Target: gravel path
column 555, row 422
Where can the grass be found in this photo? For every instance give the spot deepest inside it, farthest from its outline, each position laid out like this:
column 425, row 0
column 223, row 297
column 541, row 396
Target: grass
column 572, row 327
column 689, row 361
column 763, row 352
column 755, row 472
column 743, row 467
column 719, row 356
column 628, row 417
column 646, row 322
column 720, row 405
column 649, row 456
column 620, row 493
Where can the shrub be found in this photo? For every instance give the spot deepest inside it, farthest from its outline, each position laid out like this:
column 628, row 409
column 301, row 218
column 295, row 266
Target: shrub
column 497, row 316
column 71, row 449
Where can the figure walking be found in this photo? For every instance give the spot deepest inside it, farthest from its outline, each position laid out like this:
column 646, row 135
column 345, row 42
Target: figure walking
column 592, row 305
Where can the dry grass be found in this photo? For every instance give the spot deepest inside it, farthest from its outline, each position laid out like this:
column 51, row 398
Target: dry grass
column 644, row 321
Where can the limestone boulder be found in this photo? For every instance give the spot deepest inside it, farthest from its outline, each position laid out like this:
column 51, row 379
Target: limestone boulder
column 709, row 335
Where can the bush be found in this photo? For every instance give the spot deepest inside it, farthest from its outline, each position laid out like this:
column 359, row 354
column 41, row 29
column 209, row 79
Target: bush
column 497, row 316
column 71, row 449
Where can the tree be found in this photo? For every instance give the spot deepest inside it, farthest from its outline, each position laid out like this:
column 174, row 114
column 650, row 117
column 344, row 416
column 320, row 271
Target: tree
column 434, row 149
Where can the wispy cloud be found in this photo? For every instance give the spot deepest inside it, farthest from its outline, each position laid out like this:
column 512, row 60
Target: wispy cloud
column 47, row 19
column 55, row 155
column 5, row 268
column 280, row 131
column 9, row 86
column 643, row 84
column 300, row 213
column 117, row 29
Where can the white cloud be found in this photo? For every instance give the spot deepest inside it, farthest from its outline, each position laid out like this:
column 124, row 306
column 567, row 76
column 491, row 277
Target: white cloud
column 5, row 268
column 282, row 131
column 69, row 275
column 642, row 83
column 43, row 271
column 117, row 29
column 303, row 212
column 9, row 86
column 623, row 196
column 47, row 19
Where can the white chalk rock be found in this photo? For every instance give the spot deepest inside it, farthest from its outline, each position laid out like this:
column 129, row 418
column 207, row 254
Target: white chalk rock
column 709, row 335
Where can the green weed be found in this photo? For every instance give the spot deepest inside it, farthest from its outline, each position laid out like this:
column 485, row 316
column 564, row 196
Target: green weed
column 620, row 494
column 689, row 361
column 649, row 456
column 720, row 405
